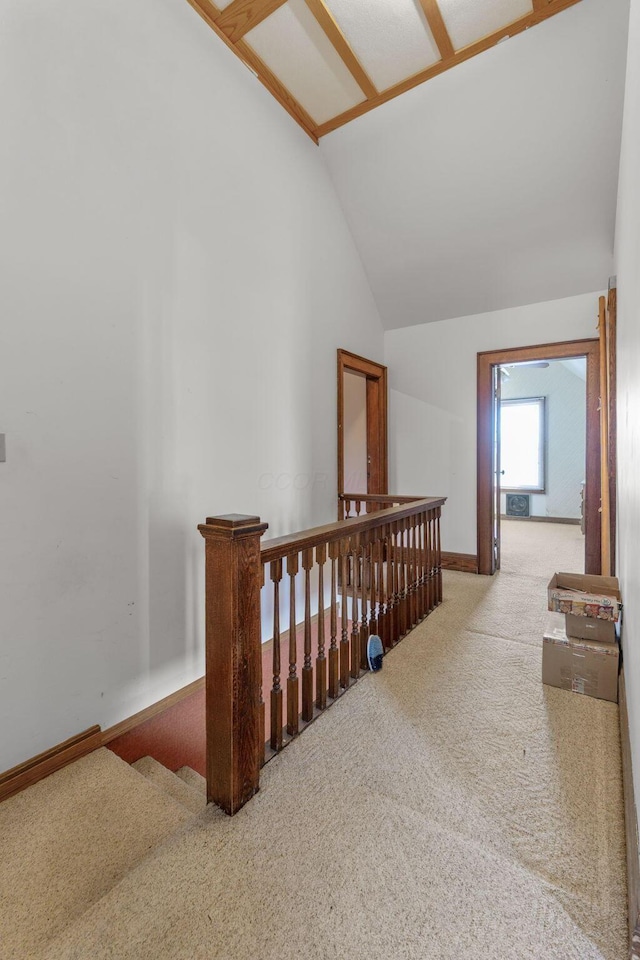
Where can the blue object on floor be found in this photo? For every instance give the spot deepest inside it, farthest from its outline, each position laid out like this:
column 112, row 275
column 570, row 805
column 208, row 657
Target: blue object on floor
column 375, row 653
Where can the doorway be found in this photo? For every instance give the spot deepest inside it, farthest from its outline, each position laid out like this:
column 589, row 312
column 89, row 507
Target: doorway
column 542, row 465
column 362, row 425
column 491, row 487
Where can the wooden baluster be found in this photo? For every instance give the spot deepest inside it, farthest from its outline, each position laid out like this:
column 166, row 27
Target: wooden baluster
column 383, row 587
column 417, row 556
column 427, row 578
column 407, row 575
column 421, row 564
column 438, row 558
column 402, row 583
column 416, row 570
column 431, row 583
column 398, row 562
column 233, row 577
column 356, row 550
column 427, row 560
column 292, row 680
column 365, row 573
column 262, row 708
column 334, row 660
column 345, row 550
column 393, row 583
column 358, row 506
column 411, row 573
column 374, row 584
column 307, row 669
column 276, row 691
column 321, row 660
column 396, row 572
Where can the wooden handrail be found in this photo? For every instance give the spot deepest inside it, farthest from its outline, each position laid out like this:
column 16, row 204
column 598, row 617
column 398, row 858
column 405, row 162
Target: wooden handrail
column 380, row 497
column 281, row 547
column 385, row 568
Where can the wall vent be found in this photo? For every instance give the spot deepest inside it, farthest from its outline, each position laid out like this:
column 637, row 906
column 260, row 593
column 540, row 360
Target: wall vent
column 518, row 504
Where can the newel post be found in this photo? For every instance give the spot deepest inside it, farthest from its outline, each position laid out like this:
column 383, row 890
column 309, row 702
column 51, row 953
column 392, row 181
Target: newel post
column 233, row 658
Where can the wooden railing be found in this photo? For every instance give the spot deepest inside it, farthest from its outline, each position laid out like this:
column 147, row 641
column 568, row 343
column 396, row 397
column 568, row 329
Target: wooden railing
column 332, row 587
column 355, row 504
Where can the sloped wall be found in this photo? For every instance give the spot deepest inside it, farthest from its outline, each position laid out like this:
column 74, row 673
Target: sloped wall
column 175, row 278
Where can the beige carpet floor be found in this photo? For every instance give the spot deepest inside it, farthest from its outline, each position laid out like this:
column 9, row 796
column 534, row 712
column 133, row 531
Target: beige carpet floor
column 531, row 547
column 448, row 807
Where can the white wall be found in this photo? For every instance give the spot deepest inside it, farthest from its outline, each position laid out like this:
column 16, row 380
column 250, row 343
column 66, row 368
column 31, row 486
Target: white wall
column 628, row 272
column 175, row 278
column 565, row 393
column 432, row 378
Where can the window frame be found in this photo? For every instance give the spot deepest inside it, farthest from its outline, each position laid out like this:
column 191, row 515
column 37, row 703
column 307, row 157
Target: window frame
column 541, row 487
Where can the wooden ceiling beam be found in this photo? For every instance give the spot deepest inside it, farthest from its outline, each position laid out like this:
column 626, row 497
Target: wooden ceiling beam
column 326, row 20
column 276, row 87
column 540, row 4
column 466, row 53
column 209, row 12
column 438, row 28
column 243, row 15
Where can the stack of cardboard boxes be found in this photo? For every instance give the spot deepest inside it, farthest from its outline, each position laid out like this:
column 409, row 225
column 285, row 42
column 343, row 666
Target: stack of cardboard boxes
column 580, row 650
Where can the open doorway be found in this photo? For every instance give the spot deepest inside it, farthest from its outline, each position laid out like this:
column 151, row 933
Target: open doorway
column 362, row 425
column 527, row 484
column 542, row 430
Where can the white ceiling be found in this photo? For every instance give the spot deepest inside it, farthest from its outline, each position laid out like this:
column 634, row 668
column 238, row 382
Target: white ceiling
column 577, row 366
column 494, row 185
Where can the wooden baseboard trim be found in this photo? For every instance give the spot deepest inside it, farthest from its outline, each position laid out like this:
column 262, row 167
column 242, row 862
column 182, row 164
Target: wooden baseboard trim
column 462, row 562
column 631, row 826
column 503, row 516
column 39, row 767
column 112, row 733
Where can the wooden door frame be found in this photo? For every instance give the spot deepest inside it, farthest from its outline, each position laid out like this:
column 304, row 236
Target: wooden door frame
column 376, row 376
column 612, row 439
column 489, row 359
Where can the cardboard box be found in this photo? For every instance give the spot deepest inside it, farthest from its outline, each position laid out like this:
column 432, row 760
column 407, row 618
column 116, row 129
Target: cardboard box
column 582, row 666
column 589, row 628
column 584, row 595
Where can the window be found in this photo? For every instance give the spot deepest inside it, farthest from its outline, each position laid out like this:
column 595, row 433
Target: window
column 522, row 444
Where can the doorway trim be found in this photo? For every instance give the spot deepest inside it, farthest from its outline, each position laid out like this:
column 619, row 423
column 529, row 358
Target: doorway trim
column 487, row 361
column 376, row 376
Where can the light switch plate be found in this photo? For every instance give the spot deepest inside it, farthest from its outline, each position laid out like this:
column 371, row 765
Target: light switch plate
column 3, row 448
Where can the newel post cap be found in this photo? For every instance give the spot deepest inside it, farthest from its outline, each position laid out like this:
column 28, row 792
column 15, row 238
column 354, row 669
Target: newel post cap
column 232, row 526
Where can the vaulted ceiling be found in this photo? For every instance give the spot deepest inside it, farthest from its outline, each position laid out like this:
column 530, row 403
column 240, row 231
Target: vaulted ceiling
column 491, row 186
column 495, row 184
column 330, row 61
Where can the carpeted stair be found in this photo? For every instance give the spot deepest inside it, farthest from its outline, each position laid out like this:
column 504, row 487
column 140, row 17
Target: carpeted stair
column 182, row 787
column 68, row 840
